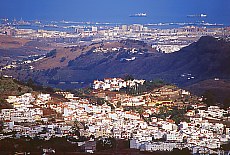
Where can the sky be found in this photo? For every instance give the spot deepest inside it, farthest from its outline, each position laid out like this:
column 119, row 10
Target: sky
column 114, row 10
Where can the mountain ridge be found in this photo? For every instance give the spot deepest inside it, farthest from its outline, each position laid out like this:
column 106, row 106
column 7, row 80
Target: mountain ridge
column 207, row 58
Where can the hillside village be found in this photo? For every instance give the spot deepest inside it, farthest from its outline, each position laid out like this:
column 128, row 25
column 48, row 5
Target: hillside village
column 162, row 119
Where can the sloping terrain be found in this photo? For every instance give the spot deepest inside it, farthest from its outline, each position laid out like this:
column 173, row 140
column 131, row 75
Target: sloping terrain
column 220, row 89
column 207, row 58
column 202, row 60
column 13, row 49
column 9, row 87
column 10, row 42
column 70, row 53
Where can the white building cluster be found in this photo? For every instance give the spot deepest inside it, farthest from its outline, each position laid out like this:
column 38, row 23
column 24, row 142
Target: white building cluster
column 23, row 109
column 115, row 84
column 204, row 130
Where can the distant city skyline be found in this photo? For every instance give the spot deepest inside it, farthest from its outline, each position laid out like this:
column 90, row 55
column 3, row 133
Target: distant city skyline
column 116, row 10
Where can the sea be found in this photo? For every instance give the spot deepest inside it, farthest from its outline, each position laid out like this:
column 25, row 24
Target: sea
column 66, row 15
column 71, row 25
column 159, row 13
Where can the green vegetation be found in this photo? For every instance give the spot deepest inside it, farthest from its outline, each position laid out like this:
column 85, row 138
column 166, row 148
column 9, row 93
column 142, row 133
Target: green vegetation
column 101, row 101
column 82, row 92
column 9, row 87
column 30, row 83
column 150, row 85
column 71, row 63
column 62, row 59
column 2, row 100
column 139, row 89
column 173, row 113
column 52, row 53
column 139, row 109
column 12, row 87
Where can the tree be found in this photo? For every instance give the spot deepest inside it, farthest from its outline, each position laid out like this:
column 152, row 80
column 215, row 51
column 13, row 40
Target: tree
column 140, row 110
column 62, row 59
column 19, row 89
column 150, row 85
column 100, row 101
column 52, row 53
column 2, row 100
column 118, row 104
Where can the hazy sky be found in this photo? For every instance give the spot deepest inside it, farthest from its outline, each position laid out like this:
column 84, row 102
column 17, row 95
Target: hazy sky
column 116, row 10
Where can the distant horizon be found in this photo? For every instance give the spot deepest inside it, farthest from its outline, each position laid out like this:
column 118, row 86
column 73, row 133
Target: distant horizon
column 142, row 21
column 117, row 11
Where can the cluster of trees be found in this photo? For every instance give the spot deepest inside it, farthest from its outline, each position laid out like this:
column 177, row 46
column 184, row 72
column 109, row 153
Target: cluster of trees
column 173, row 113
column 131, row 42
column 30, row 83
column 139, row 89
column 62, row 59
column 52, row 53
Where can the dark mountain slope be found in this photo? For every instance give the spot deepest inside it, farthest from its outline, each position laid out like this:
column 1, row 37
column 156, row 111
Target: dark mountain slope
column 219, row 88
column 207, row 58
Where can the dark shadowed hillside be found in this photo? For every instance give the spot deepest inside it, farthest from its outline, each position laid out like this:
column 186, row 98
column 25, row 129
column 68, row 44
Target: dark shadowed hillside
column 207, row 58
column 220, row 89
